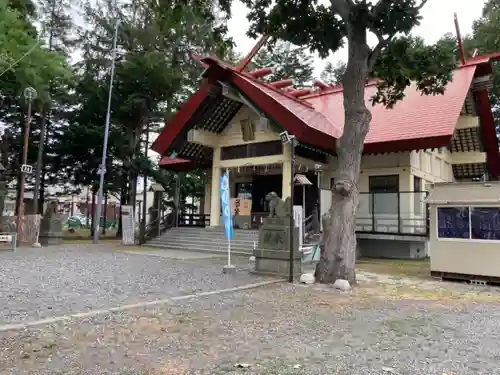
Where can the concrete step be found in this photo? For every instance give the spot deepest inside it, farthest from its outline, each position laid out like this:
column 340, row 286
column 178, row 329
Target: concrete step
column 201, row 242
column 190, row 237
column 208, row 237
column 211, row 230
column 221, row 251
column 212, row 240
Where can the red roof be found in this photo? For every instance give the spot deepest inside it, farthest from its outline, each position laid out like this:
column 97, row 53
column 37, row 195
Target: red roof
column 416, row 117
column 416, row 122
column 179, row 165
column 308, row 114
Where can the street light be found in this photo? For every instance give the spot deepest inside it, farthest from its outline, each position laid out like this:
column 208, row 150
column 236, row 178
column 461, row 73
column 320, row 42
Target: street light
column 286, row 138
column 102, row 167
column 30, row 95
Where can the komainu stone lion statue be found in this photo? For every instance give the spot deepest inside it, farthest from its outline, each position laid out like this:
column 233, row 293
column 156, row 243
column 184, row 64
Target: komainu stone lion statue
column 278, row 207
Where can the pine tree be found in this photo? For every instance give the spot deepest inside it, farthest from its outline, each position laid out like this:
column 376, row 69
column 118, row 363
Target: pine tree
column 332, row 74
column 155, row 72
column 56, row 27
column 289, row 61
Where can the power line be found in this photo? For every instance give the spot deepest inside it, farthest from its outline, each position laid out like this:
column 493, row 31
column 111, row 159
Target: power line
column 22, row 57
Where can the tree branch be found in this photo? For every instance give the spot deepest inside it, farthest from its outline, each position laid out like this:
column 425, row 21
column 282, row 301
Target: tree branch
column 376, row 51
column 377, row 8
column 422, row 4
column 342, row 7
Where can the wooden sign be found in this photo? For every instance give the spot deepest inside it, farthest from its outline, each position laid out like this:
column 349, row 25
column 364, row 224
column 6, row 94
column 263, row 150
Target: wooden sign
column 241, row 207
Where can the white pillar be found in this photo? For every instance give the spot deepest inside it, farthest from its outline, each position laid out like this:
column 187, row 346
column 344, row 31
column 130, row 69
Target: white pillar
column 286, row 190
column 207, row 201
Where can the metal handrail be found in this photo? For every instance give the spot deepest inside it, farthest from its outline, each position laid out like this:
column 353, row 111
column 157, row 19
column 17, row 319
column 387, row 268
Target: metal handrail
column 166, row 222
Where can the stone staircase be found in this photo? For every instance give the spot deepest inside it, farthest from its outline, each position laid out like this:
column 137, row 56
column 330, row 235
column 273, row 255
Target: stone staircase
column 211, row 240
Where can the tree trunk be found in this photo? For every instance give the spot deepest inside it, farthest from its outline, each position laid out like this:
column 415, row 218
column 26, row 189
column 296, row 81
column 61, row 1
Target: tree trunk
column 93, row 218
column 39, row 166
column 338, row 255
column 123, row 201
column 105, row 213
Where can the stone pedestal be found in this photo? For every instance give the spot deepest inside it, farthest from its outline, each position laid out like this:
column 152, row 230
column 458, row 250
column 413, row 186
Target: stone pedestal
column 51, row 232
column 272, row 256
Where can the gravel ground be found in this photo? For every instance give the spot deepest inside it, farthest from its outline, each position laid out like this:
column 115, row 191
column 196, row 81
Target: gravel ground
column 41, row 283
column 382, row 327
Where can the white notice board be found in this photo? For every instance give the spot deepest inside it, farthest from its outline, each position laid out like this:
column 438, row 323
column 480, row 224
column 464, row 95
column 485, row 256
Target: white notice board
column 128, row 225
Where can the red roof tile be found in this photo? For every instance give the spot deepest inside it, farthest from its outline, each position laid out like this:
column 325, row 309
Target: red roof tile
column 307, row 114
column 418, row 121
column 416, row 116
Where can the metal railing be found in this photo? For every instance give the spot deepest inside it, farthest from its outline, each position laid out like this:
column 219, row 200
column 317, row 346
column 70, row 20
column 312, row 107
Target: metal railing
column 156, row 228
column 402, row 213
column 193, row 220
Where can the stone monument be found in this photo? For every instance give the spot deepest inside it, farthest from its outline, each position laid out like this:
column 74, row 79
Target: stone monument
column 51, row 226
column 272, row 255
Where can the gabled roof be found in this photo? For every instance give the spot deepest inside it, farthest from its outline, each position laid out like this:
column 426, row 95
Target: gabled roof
column 416, row 122
column 412, row 121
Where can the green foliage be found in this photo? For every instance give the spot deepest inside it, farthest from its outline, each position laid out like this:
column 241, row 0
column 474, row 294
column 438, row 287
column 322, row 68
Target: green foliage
column 333, row 74
column 23, row 62
column 485, row 40
column 288, row 60
column 325, row 28
column 407, row 60
column 155, row 72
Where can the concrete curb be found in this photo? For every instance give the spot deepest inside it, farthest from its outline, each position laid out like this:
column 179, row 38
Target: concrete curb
column 87, row 314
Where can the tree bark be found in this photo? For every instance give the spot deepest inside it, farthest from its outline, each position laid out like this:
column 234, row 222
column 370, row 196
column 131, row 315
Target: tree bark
column 123, row 201
column 39, row 166
column 338, row 255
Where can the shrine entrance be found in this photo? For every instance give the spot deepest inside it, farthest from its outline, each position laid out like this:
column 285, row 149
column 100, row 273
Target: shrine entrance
column 254, row 192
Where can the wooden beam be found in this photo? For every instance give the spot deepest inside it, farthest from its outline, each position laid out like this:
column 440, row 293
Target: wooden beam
column 281, row 84
column 259, row 73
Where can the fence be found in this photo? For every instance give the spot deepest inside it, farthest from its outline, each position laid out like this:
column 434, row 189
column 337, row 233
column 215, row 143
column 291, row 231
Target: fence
column 403, row 212
column 30, row 227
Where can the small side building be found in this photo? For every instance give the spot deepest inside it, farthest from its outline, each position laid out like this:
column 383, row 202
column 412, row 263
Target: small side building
column 465, row 231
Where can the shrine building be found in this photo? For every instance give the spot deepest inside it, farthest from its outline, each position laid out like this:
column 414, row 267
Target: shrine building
column 234, row 120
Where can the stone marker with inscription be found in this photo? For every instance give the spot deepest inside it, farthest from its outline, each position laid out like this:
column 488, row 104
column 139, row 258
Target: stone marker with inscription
column 272, row 255
column 51, row 226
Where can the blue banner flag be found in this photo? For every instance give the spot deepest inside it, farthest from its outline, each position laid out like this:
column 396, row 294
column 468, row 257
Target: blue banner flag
column 226, row 205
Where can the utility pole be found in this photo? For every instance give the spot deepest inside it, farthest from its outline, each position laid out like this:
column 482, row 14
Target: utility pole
column 142, row 230
column 29, row 95
column 102, row 167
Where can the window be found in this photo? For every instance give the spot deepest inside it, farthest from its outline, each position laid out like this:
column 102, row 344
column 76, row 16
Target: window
column 453, row 222
column 417, row 195
column 485, row 223
column 417, row 184
column 384, row 192
column 477, row 223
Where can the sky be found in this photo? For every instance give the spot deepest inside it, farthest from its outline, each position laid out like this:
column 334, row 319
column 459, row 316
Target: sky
column 437, row 21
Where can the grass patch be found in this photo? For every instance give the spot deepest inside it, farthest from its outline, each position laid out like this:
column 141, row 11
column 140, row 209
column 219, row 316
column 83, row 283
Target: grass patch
column 84, row 234
column 399, row 268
